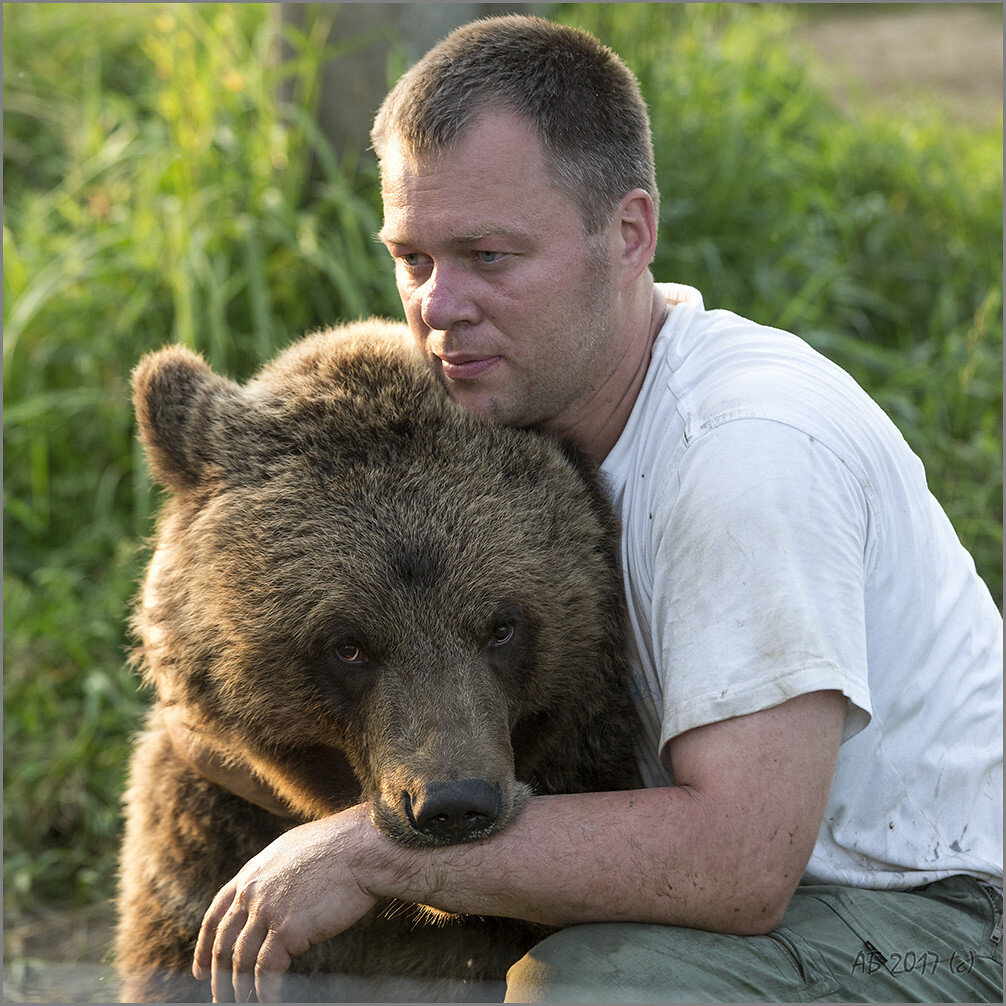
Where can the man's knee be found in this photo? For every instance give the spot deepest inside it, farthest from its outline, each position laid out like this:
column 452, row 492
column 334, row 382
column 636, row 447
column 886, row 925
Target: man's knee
column 584, row 963
column 823, row 950
column 630, row 962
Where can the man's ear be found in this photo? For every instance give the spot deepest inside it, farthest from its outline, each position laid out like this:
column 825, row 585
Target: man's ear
column 179, row 403
column 636, row 234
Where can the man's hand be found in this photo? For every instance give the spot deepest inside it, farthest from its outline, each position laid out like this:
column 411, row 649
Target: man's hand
column 298, row 891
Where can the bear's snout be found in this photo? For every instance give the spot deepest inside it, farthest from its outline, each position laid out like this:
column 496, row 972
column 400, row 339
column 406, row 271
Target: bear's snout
column 453, row 810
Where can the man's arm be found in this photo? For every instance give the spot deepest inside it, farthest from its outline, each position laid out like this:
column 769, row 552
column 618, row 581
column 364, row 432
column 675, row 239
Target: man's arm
column 723, row 850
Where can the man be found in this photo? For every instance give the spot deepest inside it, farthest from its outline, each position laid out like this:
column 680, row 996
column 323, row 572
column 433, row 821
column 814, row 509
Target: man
column 818, row 663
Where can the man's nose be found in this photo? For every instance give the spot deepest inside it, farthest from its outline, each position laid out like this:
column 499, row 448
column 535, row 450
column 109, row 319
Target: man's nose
column 447, row 301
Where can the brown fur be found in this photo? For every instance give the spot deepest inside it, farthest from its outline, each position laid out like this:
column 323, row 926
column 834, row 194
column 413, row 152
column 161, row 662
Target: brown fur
column 340, row 504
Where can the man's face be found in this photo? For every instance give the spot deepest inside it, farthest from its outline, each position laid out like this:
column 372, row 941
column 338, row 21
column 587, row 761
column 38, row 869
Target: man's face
column 506, row 294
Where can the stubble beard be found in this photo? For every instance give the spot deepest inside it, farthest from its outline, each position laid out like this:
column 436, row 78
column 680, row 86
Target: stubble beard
column 566, row 380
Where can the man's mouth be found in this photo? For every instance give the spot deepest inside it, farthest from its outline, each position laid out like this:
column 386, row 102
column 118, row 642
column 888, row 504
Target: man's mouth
column 463, row 367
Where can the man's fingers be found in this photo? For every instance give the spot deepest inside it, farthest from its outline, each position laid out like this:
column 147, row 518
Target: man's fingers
column 244, row 967
column 273, row 962
column 202, row 959
column 228, row 932
column 296, row 892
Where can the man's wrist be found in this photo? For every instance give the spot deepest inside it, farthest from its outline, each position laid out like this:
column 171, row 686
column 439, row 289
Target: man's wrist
column 385, row 869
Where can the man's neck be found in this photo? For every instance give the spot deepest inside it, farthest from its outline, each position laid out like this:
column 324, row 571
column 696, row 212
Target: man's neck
column 598, row 422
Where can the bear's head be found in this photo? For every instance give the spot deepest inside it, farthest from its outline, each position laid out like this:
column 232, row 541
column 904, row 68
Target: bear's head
column 371, row 596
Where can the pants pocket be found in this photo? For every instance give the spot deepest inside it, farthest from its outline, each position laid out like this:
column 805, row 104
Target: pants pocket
column 818, row 981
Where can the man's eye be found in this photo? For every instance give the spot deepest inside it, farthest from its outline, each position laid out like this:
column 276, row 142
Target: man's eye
column 413, row 259
column 488, row 257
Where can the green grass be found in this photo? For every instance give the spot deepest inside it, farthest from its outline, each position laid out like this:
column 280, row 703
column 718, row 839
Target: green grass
column 155, row 189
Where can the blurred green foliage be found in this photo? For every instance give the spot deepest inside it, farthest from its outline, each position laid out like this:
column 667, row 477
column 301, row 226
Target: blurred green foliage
column 158, row 188
column 877, row 240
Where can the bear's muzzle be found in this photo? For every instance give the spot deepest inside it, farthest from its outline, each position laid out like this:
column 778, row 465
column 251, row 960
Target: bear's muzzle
column 453, row 810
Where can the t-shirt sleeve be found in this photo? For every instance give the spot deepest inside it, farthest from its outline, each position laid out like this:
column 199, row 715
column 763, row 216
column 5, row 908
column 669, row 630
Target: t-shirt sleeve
column 759, row 576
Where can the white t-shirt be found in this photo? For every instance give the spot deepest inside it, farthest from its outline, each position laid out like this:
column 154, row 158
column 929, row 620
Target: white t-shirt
column 779, row 538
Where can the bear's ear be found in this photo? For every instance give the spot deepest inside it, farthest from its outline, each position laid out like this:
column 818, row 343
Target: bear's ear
column 179, row 405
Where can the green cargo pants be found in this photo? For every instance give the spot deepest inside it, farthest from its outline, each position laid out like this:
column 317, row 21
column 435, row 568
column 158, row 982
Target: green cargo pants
column 939, row 943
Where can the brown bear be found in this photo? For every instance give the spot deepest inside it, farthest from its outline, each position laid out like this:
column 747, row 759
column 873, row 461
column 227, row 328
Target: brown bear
column 367, row 595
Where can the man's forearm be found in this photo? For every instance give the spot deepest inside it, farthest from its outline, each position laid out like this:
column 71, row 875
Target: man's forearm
column 723, row 850
column 647, row 856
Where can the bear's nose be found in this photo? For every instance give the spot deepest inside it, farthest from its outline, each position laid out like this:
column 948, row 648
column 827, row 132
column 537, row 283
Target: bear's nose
column 453, row 810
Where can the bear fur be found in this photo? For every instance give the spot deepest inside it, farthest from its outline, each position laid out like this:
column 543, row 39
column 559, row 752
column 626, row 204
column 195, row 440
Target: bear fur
column 366, row 595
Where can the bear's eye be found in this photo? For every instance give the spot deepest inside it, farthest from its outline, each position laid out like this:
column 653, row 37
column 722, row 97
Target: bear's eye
column 350, row 653
column 501, row 634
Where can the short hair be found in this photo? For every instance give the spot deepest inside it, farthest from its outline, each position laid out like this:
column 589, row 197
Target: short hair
column 578, row 96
